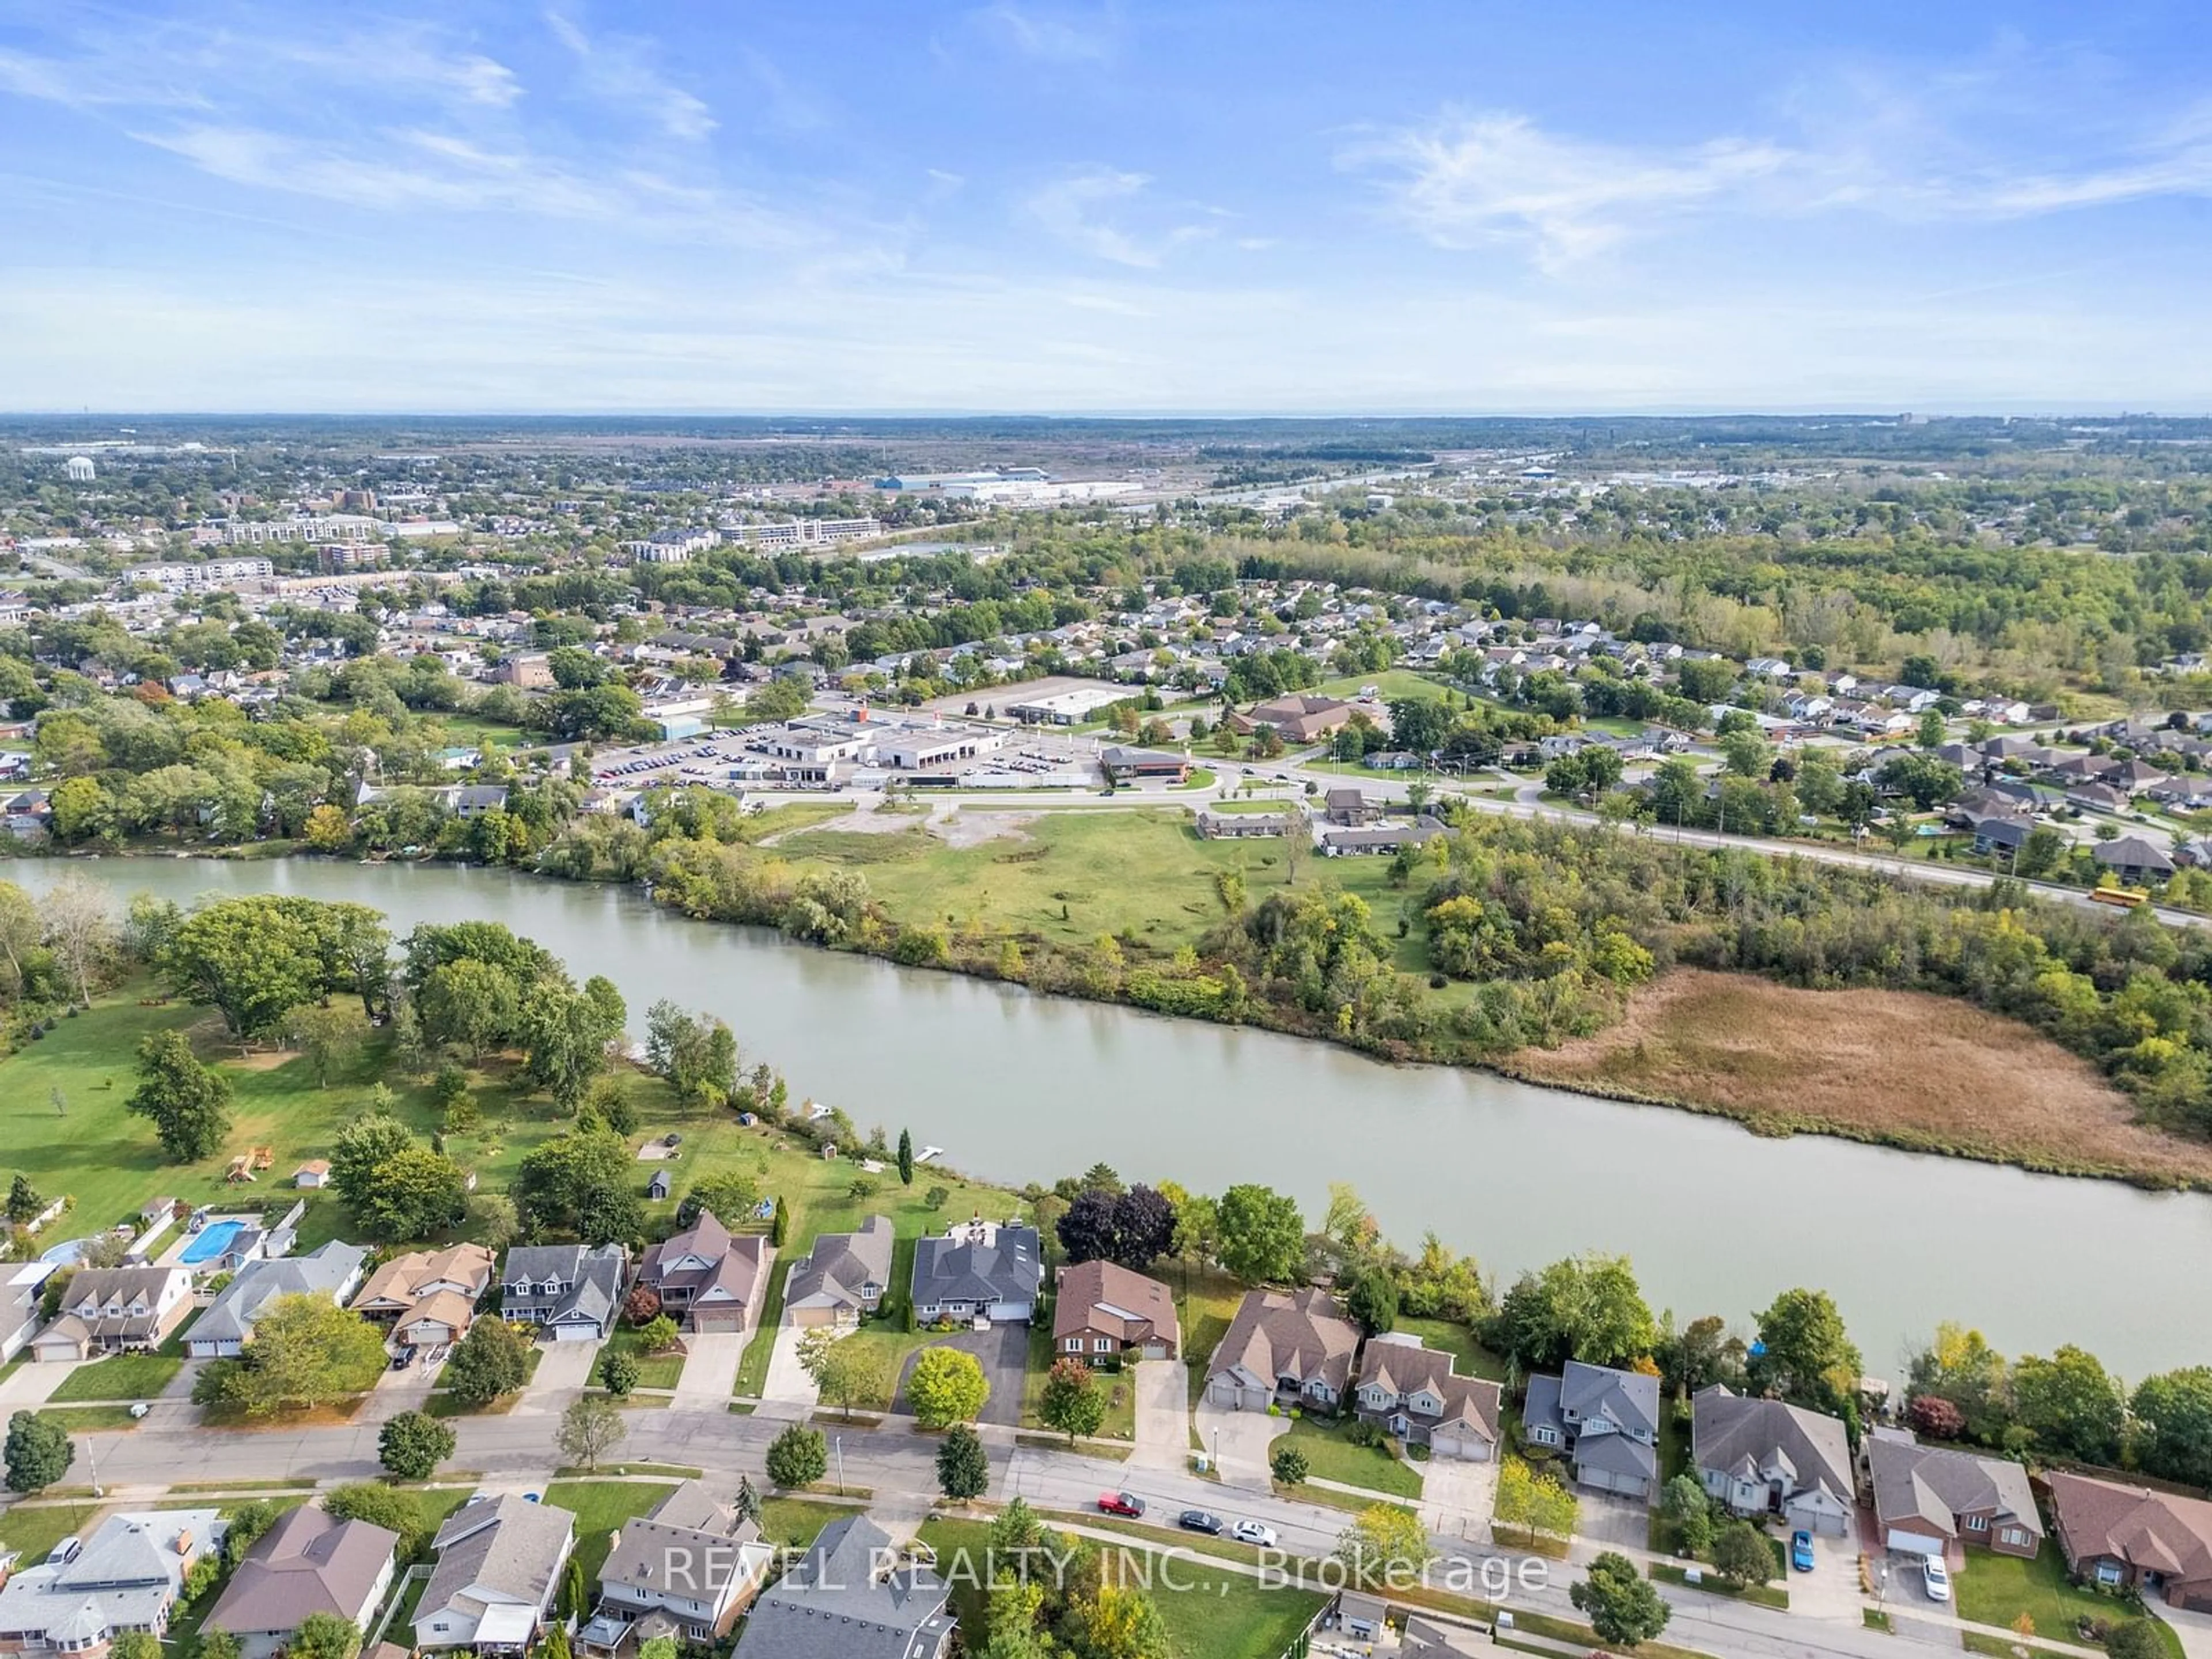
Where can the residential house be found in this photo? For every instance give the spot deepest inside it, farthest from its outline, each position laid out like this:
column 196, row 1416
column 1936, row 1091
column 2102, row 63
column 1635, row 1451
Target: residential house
column 2132, row 858
column 428, row 1297
column 127, row 1576
column 2123, row 1537
column 499, row 1563
column 693, row 1561
column 849, row 1597
column 1769, row 1457
column 116, row 1310
column 978, row 1270
column 22, row 1288
column 251, row 1242
column 1929, row 1499
column 566, row 1289
column 2003, row 836
column 1242, row 826
column 309, row 1562
column 707, row 1278
column 1350, row 809
column 1605, row 1421
column 2096, row 798
column 1412, row 1391
column 1293, row 1345
column 1105, row 1313
column 843, row 1278
column 333, row 1271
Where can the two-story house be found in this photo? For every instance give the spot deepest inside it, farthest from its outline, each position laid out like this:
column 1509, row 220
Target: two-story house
column 850, row 1596
column 707, row 1278
column 1414, row 1392
column 1769, row 1457
column 978, row 1270
column 428, row 1297
column 843, row 1278
column 129, row 1575
column 692, row 1564
column 499, row 1564
column 1930, row 1500
column 1606, row 1422
column 1288, row 1345
column 569, row 1291
column 116, row 1310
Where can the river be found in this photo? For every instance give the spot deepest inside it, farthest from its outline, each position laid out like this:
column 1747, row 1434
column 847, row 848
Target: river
column 1017, row 1087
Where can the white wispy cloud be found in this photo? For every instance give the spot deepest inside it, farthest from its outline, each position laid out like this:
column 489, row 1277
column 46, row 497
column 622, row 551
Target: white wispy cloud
column 620, row 70
column 1078, row 209
column 1051, row 34
column 1469, row 180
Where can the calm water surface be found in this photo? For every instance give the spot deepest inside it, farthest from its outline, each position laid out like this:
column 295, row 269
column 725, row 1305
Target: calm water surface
column 1019, row 1087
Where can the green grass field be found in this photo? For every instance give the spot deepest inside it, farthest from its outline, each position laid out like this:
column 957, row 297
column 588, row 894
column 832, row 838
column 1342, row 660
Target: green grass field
column 1118, row 1390
column 1213, row 1613
column 123, row 1376
column 1469, row 1357
column 654, row 1371
column 1391, row 683
column 601, row 1506
column 1996, row 1589
column 1330, row 1455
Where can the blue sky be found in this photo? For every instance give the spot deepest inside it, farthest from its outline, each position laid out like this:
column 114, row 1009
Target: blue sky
column 1186, row 208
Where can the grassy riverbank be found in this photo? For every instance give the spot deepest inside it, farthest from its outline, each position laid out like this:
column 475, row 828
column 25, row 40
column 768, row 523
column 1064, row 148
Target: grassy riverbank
column 1900, row 1068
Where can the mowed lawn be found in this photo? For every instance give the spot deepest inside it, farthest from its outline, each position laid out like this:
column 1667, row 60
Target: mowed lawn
column 1996, row 1589
column 601, row 1506
column 1213, row 1613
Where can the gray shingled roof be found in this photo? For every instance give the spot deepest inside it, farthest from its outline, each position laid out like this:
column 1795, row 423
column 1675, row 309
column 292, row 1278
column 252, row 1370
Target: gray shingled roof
column 1935, row 1485
column 953, row 1269
column 839, row 1264
column 838, row 1602
column 321, row 1272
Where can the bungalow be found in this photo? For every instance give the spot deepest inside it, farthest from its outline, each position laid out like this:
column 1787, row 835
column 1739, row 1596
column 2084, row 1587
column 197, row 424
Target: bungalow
column 1769, row 1457
column 129, row 1575
column 850, row 1596
column 499, row 1564
column 2096, row 798
column 2005, row 836
column 428, row 1298
column 1384, row 839
column 979, row 1270
column 1412, row 1391
column 1295, row 719
column 709, row 1277
column 1242, row 826
column 2132, row 858
column 116, row 1310
column 843, row 1278
column 2118, row 1536
column 1927, row 1498
column 309, row 1562
column 1607, row 1422
column 1103, row 1312
column 1296, row 1345
column 565, row 1289
column 692, row 1561
column 331, row 1271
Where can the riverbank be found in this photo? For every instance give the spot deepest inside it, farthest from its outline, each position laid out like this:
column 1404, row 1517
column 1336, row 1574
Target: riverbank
column 1911, row 1071
column 1895, row 1069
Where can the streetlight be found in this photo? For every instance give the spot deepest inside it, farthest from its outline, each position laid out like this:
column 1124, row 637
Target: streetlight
column 1216, row 1464
column 839, row 1443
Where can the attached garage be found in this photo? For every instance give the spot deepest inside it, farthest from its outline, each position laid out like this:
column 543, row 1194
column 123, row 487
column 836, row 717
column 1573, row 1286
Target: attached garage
column 1010, row 1313
column 710, row 1321
column 813, row 1318
column 1461, row 1443
column 1225, row 1390
column 1155, row 1351
column 1816, row 1517
column 575, row 1331
column 1911, row 1543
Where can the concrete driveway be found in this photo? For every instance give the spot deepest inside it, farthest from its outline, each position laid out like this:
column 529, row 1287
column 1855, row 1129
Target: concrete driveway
column 788, row 1391
column 710, row 1370
column 33, row 1384
column 1613, row 1523
column 1240, row 1441
column 564, row 1370
column 1163, row 1402
column 1004, row 1353
column 1457, row 1496
column 1831, row 1590
column 2195, row 1629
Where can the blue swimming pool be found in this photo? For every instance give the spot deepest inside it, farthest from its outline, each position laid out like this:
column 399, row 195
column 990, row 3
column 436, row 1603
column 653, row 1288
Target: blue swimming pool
column 210, row 1242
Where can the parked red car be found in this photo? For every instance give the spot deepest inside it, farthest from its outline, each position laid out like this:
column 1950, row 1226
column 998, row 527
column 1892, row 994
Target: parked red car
column 1121, row 1502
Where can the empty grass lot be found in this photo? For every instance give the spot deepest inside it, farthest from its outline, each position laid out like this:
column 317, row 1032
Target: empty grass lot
column 601, row 1506
column 1330, row 1455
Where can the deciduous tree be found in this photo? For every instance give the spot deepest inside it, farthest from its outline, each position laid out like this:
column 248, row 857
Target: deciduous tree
column 964, row 1472
column 1073, row 1400
column 38, row 1452
column 799, row 1456
column 591, row 1427
column 946, row 1386
column 1623, row 1609
column 188, row 1103
column 412, row 1444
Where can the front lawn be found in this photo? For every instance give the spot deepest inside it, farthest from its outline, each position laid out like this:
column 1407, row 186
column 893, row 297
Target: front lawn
column 34, row 1529
column 1996, row 1589
column 600, row 1506
column 118, row 1376
column 1330, row 1455
column 654, row 1371
column 1118, row 1390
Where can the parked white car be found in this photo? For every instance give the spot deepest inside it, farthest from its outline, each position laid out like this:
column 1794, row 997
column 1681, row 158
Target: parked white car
column 1251, row 1532
column 1933, row 1574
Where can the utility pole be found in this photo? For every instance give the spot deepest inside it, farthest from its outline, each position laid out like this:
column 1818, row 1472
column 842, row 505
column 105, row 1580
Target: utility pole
column 839, row 1443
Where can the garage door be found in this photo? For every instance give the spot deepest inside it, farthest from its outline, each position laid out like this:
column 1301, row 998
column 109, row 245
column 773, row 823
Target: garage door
column 1913, row 1543
column 1010, row 1313
column 574, row 1333
column 1155, row 1350
column 717, row 1323
column 807, row 1318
